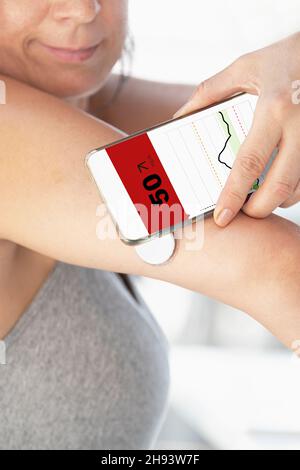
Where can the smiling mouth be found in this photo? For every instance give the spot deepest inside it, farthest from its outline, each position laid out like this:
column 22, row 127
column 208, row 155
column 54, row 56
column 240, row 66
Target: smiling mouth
column 71, row 55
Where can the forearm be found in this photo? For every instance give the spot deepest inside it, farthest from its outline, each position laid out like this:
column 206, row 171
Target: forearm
column 253, row 265
column 48, row 203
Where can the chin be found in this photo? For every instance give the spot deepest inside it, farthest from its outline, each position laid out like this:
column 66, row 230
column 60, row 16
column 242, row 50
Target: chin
column 72, row 82
column 74, row 86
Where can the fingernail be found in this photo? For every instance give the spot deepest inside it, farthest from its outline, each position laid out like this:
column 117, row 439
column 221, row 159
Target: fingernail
column 224, row 217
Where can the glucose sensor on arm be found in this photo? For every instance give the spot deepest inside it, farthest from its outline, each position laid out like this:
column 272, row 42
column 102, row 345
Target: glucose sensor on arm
column 158, row 250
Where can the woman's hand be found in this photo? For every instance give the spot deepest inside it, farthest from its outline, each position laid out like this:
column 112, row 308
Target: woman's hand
column 274, row 74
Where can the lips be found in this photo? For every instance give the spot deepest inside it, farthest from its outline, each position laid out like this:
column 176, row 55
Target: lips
column 71, row 54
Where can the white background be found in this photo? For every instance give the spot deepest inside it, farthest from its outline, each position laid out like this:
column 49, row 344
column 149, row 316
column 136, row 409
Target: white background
column 189, row 40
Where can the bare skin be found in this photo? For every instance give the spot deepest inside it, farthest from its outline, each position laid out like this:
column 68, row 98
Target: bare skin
column 24, row 271
column 48, row 202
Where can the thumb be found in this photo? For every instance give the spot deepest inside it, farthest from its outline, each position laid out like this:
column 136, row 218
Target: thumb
column 218, row 87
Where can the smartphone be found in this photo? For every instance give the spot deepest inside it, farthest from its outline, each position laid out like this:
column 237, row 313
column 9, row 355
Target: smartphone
column 167, row 176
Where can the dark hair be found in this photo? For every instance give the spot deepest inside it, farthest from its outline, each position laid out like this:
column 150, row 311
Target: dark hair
column 126, row 61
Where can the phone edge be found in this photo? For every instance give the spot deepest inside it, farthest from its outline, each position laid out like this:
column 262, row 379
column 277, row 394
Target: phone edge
column 172, row 228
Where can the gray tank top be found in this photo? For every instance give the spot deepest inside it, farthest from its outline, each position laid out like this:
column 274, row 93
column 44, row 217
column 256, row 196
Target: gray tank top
column 86, row 367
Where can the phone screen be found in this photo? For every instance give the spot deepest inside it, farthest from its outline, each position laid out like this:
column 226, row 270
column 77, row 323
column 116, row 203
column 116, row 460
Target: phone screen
column 182, row 164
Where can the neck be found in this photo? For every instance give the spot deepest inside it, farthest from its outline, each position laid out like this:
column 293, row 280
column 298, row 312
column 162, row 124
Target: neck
column 80, row 103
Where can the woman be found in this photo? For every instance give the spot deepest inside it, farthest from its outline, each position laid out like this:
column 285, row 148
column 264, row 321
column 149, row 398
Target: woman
column 87, row 365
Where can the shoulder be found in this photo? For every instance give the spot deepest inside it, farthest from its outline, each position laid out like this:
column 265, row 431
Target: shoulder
column 139, row 103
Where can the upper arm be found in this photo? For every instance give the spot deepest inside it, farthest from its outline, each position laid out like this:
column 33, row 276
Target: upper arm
column 48, row 204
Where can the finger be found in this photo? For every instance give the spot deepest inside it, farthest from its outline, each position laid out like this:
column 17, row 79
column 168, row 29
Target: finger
column 220, row 86
column 294, row 199
column 249, row 164
column 280, row 183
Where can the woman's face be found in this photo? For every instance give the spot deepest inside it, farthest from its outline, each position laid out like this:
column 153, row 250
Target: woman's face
column 49, row 44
